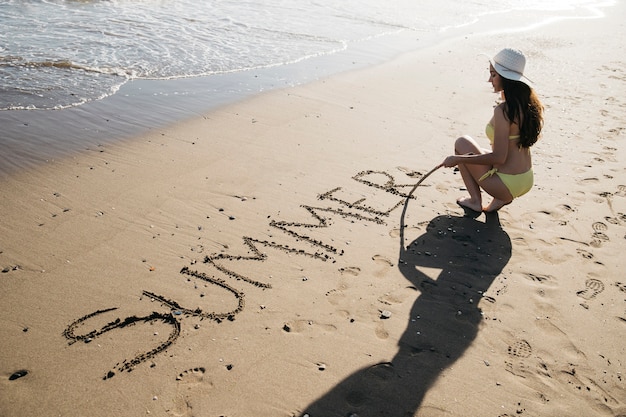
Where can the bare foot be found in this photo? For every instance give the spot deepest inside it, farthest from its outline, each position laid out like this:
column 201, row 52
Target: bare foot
column 469, row 203
column 495, row 205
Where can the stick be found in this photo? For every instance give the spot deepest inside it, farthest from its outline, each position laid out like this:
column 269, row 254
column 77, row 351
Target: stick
column 406, row 204
column 422, row 179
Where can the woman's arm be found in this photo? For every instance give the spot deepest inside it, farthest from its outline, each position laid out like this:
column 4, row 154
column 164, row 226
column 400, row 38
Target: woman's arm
column 499, row 150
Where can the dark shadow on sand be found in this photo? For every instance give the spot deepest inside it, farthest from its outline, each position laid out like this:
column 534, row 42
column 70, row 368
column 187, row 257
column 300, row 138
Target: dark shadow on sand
column 444, row 319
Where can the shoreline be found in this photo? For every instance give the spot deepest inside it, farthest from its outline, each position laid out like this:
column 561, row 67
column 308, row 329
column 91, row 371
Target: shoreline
column 143, row 105
column 265, row 271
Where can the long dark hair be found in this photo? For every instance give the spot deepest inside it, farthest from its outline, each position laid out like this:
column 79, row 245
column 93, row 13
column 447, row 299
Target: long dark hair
column 523, row 108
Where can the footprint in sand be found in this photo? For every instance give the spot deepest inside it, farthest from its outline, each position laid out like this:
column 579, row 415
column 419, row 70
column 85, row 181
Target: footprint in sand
column 521, row 349
column 335, row 296
column 621, row 286
column 188, row 380
column 382, row 260
column 191, row 376
column 599, row 237
column 585, row 254
column 350, row 270
column 593, row 288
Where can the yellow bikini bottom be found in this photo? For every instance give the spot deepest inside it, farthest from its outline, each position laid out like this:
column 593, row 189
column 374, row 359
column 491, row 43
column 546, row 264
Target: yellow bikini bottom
column 517, row 184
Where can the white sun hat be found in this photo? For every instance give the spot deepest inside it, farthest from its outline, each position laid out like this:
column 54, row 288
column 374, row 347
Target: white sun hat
column 510, row 63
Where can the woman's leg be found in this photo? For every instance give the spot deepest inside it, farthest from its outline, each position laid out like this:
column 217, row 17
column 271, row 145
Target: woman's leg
column 500, row 193
column 470, row 173
column 465, row 145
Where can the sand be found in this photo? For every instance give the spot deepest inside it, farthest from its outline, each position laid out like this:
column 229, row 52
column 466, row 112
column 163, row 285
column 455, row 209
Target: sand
column 263, row 260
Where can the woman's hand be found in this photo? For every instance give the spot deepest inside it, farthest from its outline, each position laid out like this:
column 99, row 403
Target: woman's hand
column 450, row 161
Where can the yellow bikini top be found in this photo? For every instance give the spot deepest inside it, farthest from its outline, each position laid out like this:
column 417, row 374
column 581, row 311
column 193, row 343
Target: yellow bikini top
column 489, row 131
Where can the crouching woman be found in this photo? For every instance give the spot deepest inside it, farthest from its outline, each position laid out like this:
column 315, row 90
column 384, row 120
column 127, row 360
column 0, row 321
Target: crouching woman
column 504, row 171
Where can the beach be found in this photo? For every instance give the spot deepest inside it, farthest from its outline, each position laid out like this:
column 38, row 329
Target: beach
column 262, row 258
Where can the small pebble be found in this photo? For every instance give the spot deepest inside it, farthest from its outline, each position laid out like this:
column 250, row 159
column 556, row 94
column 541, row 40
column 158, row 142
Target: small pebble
column 155, row 398
column 231, row 217
column 18, row 374
column 385, row 314
column 321, row 367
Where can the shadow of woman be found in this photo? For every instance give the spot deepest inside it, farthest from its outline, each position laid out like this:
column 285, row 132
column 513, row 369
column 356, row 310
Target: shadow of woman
column 443, row 322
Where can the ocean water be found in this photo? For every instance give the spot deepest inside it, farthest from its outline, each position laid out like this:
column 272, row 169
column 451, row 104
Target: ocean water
column 60, row 55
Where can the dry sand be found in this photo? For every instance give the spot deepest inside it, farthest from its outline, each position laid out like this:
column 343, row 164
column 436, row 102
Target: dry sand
column 250, row 262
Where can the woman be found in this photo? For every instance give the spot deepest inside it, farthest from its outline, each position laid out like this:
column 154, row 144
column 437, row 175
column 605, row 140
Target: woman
column 505, row 172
